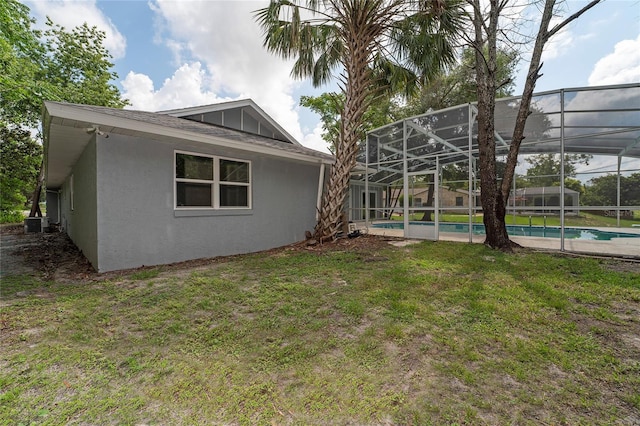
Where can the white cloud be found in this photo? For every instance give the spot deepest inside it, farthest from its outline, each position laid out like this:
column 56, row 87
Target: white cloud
column 621, row 66
column 314, row 140
column 187, row 87
column 224, row 37
column 559, row 43
column 216, row 47
column 73, row 13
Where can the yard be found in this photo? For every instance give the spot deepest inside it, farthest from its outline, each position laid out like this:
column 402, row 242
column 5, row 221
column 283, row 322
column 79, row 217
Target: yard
column 582, row 220
column 359, row 332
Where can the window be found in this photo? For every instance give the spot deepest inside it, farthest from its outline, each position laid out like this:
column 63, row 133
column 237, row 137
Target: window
column 211, row 182
column 194, row 181
column 459, row 201
column 234, row 183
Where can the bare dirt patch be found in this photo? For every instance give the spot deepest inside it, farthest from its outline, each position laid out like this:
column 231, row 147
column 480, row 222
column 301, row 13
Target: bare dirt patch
column 53, row 256
column 623, row 266
column 48, row 255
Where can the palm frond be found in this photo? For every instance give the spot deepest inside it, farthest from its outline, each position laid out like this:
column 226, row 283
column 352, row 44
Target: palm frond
column 427, row 41
column 380, row 45
column 388, row 76
column 280, row 35
column 327, row 61
column 311, row 41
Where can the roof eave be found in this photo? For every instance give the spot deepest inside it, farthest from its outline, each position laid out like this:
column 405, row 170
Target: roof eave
column 68, row 112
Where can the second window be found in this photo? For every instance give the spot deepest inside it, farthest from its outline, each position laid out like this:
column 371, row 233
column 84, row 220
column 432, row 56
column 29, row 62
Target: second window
column 203, row 181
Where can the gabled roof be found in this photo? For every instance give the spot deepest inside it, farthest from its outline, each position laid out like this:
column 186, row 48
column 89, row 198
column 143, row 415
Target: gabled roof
column 68, row 128
column 246, row 104
column 544, row 190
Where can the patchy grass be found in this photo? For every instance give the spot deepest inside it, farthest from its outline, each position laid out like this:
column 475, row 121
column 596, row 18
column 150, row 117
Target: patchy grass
column 427, row 334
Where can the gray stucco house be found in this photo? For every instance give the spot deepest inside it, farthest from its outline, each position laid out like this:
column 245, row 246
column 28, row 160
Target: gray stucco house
column 134, row 188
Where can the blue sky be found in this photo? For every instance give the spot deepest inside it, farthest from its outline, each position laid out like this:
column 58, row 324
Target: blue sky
column 172, row 54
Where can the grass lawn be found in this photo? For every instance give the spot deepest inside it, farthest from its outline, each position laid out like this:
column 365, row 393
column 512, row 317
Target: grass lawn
column 432, row 333
column 584, row 219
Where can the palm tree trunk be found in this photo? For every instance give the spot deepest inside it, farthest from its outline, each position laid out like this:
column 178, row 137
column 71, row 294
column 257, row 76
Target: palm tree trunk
column 357, row 91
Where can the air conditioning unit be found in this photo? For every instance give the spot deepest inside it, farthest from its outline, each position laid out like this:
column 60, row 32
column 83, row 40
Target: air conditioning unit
column 35, row 224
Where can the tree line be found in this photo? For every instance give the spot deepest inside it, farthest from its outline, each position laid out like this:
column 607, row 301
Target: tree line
column 57, row 64
column 378, row 51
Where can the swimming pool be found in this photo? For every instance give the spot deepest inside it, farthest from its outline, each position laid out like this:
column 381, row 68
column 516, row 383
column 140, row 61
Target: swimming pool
column 521, row 230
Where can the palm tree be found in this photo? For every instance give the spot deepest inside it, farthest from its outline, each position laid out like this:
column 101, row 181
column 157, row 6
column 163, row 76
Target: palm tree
column 375, row 45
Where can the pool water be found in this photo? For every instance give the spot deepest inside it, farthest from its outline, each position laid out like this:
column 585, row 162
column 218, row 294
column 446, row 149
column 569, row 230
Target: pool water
column 521, row 230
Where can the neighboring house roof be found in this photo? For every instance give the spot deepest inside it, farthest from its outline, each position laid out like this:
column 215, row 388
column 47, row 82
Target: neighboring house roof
column 543, row 190
column 68, row 129
column 421, row 189
column 247, row 105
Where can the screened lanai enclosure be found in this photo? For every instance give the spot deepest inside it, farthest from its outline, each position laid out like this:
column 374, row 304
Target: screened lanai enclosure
column 577, row 185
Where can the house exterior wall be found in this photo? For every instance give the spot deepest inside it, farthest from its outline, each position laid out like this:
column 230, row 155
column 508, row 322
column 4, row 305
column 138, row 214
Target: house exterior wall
column 53, row 200
column 138, row 224
column 355, row 202
column 78, row 204
column 453, row 198
column 538, row 198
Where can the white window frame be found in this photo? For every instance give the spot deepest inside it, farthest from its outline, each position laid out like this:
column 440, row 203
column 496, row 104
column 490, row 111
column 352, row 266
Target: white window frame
column 215, row 183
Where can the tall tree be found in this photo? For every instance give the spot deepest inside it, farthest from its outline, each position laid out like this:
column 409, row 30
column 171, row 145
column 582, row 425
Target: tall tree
column 494, row 193
column 376, row 45
column 603, row 190
column 544, row 169
column 330, row 105
column 79, row 67
column 21, row 58
column 458, row 85
column 19, row 164
column 56, row 64
column 455, row 85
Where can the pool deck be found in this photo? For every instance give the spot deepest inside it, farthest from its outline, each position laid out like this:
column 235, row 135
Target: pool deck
column 617, row 247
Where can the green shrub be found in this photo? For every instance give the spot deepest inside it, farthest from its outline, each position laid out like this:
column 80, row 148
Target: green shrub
column 11, row 217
